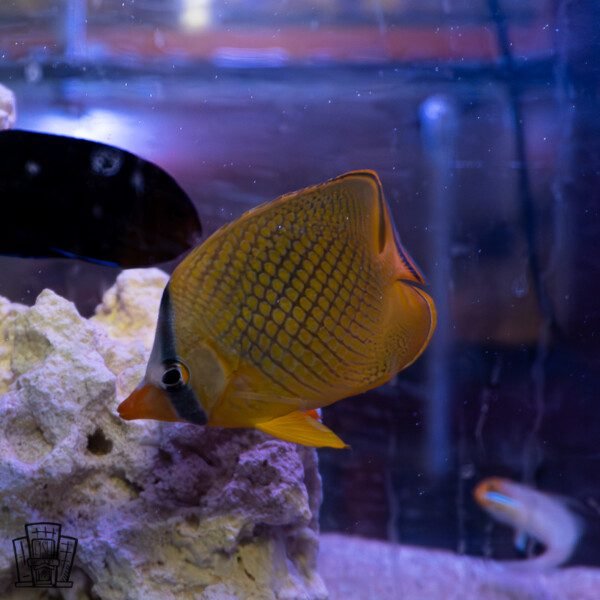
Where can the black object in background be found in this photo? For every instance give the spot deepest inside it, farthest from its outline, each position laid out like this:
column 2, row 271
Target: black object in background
column 66, row 197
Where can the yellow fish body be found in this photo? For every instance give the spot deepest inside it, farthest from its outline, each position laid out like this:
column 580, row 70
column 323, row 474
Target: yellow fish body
column 299, row 303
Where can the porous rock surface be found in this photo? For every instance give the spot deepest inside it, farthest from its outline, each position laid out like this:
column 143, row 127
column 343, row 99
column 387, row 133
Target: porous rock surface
column 161, row 510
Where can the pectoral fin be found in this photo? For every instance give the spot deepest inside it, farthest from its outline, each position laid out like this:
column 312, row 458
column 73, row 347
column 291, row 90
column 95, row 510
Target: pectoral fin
column 301, row 428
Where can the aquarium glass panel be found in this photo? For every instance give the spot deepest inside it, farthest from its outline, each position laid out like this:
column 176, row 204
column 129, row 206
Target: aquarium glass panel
column 162, row 442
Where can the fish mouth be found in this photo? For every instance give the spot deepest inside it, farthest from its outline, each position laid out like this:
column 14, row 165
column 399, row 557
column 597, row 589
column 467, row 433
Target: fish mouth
column 491, row 493
column 147, row 402
column 484, row 488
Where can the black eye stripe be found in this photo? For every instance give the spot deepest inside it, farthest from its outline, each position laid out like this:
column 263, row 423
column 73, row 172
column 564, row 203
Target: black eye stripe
column 181, row 395
column 165, row 326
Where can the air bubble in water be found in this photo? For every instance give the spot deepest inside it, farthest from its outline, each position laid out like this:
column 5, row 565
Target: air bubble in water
column 33, row 72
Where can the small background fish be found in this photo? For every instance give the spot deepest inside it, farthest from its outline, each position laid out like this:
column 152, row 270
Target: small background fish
column 65, row 197
column 531, row 513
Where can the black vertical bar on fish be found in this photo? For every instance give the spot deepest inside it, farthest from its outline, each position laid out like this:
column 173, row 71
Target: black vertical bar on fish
column 184, row 400
column 439, row 130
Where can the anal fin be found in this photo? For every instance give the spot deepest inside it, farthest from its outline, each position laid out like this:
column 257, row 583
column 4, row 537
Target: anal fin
column 301, row 428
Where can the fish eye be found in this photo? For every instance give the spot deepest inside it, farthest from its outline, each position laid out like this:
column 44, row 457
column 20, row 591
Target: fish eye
column 175, row 375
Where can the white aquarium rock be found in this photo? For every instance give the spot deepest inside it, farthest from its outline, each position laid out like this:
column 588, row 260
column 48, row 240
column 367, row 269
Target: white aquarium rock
column 160, row 510
column 8, row 108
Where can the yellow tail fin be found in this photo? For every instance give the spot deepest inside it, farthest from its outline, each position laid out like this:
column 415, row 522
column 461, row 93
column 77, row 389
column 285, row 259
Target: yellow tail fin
column 301, row 428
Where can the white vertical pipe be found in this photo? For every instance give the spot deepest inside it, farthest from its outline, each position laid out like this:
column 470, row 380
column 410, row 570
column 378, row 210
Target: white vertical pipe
column 439, row 127
column 75, row 26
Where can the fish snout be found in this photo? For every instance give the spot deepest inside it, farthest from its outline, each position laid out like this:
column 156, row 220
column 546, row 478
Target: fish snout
column 490, row 485
column 495, row 494
column 148, row 401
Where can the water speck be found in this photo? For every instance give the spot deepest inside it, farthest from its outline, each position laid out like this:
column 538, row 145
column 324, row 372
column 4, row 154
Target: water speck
column 137, row 181
column 33, row 72
column 32, row 168
column 467, row 471
column 520, row 287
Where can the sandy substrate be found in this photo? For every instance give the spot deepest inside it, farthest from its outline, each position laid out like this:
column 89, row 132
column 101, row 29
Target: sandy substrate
column 358, row 569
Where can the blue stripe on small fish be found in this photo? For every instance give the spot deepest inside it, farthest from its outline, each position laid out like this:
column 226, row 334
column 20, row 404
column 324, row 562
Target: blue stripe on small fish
column 499, row 498
column 97, row 261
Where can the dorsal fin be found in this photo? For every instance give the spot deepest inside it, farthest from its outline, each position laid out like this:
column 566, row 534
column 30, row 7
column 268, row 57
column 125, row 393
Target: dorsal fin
column 366, row 186
column 354, row 194
column 386, row 235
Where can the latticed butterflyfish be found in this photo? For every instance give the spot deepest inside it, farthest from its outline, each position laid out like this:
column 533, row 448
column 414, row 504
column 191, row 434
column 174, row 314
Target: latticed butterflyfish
column 299, row 303
column 66, row 197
